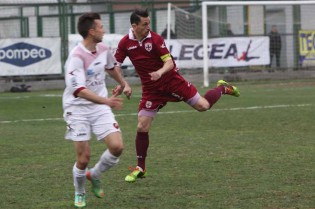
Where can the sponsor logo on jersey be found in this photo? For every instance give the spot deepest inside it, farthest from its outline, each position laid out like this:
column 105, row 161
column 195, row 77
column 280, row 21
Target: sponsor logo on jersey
column 74, row 82
column 23, row 54
column 89, row 72
column 177, row 96
column 132, row 47
column 95, row 80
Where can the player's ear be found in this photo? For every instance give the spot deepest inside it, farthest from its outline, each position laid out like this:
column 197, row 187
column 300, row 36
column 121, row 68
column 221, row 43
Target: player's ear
column 133, row 25
column 91, row 31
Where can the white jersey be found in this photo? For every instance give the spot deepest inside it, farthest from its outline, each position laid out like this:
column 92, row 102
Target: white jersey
column 84, row 69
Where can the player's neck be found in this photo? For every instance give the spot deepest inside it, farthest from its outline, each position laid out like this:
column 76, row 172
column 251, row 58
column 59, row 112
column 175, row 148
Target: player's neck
column 138, row 37
column 89, row 45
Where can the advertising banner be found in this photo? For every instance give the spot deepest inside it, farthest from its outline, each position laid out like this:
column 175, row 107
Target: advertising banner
column 307, row 47
column 222, row 52
column 30, row 56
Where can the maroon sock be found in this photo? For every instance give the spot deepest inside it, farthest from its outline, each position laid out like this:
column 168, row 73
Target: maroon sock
column 142, row 145
column 213, row 95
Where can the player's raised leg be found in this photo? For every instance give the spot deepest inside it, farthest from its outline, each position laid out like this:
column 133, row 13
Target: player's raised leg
column 213, row 95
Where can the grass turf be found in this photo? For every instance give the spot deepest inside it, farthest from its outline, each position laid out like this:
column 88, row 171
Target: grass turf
column 255, row 151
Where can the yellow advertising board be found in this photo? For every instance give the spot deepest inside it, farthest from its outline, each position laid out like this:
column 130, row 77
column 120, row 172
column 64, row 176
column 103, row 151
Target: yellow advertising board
column 307, row 47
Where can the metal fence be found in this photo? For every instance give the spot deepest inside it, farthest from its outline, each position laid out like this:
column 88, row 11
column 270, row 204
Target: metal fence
column 59, row 18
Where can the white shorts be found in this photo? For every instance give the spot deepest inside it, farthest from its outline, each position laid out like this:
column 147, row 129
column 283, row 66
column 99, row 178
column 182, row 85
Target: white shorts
column 80, row 126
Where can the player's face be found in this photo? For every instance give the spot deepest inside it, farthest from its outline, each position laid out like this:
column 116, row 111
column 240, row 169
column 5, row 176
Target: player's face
column 98, row 31
column 142, row 29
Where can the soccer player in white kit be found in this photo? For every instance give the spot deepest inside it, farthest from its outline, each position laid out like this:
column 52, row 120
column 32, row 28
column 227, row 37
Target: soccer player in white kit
column 87, row 107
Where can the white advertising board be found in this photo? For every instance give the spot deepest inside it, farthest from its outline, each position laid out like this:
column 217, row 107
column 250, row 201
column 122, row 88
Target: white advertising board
column 222, row 52
column 30, row 56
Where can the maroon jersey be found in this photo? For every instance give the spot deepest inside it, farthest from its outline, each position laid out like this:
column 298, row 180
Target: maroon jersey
column 146, row 56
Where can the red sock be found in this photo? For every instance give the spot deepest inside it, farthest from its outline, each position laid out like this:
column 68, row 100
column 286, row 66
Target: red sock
column 213, row 95
column 142, row 145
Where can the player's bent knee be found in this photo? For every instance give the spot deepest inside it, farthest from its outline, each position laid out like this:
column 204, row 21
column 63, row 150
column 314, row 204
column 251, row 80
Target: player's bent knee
column 144, row 124
column 202, row 107
column 116, row 150
column 114, row 143
column 143, row 127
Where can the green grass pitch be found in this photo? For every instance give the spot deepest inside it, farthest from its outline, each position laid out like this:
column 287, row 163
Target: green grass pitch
column 252, row 152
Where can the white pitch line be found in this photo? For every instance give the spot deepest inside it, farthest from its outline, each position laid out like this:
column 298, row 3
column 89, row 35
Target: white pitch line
column 169, row 112
column 47, row 95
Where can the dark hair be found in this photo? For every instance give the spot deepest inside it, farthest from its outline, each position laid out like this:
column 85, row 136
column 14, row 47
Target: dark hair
column 86, row 22
column 136, row 14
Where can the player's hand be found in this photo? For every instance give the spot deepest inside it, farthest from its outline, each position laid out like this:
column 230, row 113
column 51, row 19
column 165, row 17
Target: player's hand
column 117, row 90
column 155, row 76
column 115, row 102
column 127, row 91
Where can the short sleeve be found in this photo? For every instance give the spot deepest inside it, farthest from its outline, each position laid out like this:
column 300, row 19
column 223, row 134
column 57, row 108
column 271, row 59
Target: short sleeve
column 111, row 61
column 75, row 74
column 163, row 52
column 120, row 53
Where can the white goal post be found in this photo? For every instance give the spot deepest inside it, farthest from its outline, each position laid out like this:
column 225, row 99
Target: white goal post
column 205, row 40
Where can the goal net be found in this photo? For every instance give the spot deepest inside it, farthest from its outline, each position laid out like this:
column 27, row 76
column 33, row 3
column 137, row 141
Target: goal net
column 245, row 36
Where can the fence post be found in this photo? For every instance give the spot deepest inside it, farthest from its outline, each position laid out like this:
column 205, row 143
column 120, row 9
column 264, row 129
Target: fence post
column 39, row 20
column 63, row 26
column 111, row 18
column 296, row 28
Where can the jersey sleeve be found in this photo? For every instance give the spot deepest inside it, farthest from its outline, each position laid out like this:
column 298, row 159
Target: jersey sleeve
column 110, row 62
column 75, row 75
column 120, row 53
column 162, row 49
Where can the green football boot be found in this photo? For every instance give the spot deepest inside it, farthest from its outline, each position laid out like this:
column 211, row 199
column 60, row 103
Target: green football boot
column 96, row 185
column 135, row 174
column 229, row 89
column 79, row 200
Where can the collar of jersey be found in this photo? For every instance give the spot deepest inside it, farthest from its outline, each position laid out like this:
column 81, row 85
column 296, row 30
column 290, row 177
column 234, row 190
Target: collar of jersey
column 132, row 37
column 85, row 49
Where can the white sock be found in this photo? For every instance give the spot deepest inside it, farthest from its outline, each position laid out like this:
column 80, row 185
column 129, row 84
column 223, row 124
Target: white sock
column 79, row 179
column 106, row 161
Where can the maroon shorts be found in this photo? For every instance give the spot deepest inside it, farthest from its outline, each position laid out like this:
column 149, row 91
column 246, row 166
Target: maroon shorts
column 175, row 90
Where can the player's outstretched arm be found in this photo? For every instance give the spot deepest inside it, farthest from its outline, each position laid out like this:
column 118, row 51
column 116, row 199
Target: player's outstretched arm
column 123, row 86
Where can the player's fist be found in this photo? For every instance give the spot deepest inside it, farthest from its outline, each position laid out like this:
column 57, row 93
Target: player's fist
column 127, row 91
column 155, row 76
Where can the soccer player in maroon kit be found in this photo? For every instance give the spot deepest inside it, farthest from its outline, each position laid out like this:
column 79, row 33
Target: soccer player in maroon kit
column 161, row 83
